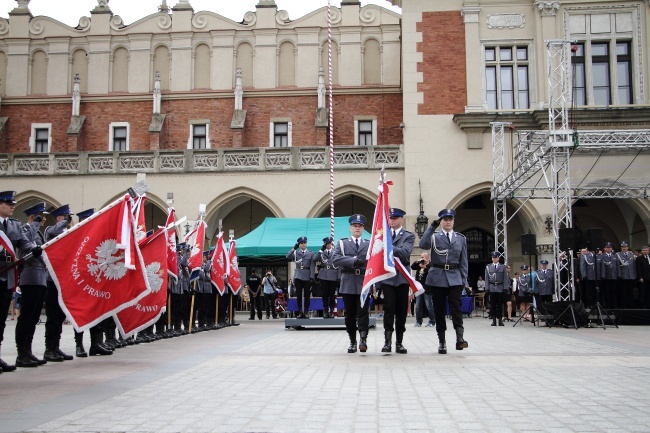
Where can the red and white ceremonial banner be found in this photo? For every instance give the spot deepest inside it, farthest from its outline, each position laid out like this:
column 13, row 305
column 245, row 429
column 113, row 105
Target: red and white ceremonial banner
column 172, row 257
column 196, row 239
column 381, row 265
column 219, row 265
column 5, row 243
column 148, row 309
column 234, row 277
column 97, row 266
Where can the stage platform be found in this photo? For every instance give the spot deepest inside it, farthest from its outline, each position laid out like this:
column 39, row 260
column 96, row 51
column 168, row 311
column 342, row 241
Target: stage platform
column 319, row 322
column 631, row 317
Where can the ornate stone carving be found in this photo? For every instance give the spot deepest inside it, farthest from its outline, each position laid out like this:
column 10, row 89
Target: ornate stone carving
column 164, row 21
column 4, row 26
column 388, row 157
column 548, row 8
column 312, row 159
column 4, row 166
column 172, row 162
column 250, row 18
column 351, row 158
column 206, row 162
column 84, row 24
column 241, row 160
column 23, row 4
column 32, row 165
column 136, row 163
column 282, row 17
column 506, row 21
column 117, row 23
column 367, row 15
column 36, row 26
column 278, row 160
column 100, row 164
column 199, row 21
column 67, row 165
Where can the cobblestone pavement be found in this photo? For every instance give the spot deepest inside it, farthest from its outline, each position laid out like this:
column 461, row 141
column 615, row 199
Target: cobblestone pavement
column 259, row 377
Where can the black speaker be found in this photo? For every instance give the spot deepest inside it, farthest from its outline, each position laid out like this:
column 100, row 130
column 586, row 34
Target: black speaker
column 595, row 239
column 568, row 239
column 563, row 315
column 528, row 244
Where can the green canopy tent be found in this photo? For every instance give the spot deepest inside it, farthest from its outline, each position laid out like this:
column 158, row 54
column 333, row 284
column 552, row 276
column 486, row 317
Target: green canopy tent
column 276, row 236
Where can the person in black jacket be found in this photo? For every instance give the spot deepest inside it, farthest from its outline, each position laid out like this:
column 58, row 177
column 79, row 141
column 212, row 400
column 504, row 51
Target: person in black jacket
column 643, row 274
column 423, row 303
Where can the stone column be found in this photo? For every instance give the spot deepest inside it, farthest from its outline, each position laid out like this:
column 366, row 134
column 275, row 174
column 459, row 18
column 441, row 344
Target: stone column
column 472, row 54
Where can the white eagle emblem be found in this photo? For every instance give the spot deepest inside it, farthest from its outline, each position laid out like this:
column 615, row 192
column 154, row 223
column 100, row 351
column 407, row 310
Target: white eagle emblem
column 106, row 263
column 154, row 276
column 377, row 244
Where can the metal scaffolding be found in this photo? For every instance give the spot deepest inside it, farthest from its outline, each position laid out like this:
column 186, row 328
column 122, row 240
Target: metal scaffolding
column 541, row 162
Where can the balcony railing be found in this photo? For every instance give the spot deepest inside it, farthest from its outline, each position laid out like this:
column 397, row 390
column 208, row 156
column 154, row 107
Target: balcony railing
column 188, row 161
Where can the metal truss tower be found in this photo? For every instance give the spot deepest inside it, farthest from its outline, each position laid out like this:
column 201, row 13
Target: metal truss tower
column 546, row 155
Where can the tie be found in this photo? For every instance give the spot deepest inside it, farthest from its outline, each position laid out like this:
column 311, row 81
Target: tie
column 4, row 225
column 496, row 267
column 393, row 233
column 356, row 241
column 449, row 237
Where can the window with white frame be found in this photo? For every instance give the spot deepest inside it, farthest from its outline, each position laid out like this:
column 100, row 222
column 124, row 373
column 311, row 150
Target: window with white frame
column 603, row 57
column 365, row 131
column 506, row 77
column 40, row 140
column 119, row 136
column 280, row 133
column 199, row 134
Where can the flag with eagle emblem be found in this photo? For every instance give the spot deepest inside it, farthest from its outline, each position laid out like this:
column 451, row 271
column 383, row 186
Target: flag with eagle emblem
column 97, row 266
column 219, row 265
column 234, row 277
column 148, row 309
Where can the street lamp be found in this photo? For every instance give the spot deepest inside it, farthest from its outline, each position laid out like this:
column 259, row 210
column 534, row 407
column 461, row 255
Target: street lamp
column 422, row 221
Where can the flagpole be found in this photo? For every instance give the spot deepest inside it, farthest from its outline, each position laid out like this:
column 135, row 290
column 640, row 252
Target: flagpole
column 232, row 315
column 216, row 310
column 192, row 308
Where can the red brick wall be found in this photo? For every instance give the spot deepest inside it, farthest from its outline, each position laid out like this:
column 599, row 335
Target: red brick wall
column 443, row 66
column 302, row 111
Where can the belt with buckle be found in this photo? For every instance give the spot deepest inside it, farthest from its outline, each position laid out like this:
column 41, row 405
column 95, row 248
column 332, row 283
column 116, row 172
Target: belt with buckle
column 302, row 267
column 6, row 259
column 328, row 267
column 355, row 271
column 446, row 267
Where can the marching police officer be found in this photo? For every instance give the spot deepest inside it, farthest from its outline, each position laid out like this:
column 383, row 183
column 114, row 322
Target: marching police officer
column 545, row 283
column 53, row 312
column 497, row 282
column 303, row 277
column 14, row 242
column 206, row 294
column 328, row 275
column 626, row 273
column 33, row 283
column 447, row 276
column 396, row 289
column 608, row 274
column 350, row 256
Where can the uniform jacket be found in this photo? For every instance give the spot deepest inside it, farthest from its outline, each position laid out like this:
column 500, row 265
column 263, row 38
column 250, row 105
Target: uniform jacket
column 53, row 231
column 496, row 278
column 643, row 268
column 305, row 264
column 626, row 266
column 345, row 253
column 183, row 283
column 588, row 266
column 544, row 282
column 608, row 266
column 204, row 279
column 327, row 271
column 34, row 272
column 22, row 246
column 524, row 285
column 402, row 248
column 445, row 253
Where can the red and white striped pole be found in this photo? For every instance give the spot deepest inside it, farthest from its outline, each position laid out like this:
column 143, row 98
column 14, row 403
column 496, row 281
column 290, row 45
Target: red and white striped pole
column 331, row 115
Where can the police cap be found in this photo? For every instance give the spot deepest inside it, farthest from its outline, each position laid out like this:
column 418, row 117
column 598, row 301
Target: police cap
column 85, row 213
column 8, row 197
column 357, row 219
column 38, row 208
column 396, row 212
column 62, row 210
column 447, row 213
column 302, row 240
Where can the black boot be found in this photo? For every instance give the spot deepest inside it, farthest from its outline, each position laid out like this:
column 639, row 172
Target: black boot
column 442, row 347
column 460, row 342
column 23, row 359
column 398, row 344
column 501, row 323
column 96, row 348
column 80, row 352
column 363, row 346
column 51, row 355
column 4, row 367
column 388, row 339
column 494, row 321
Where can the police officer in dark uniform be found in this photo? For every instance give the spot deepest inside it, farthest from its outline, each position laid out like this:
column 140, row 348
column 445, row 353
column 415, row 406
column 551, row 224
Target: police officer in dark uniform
column 608, row 275
column 328, row 276
column 33, row 283
column 545, row 283
column 53, row 312
column 350, row 256
column 303, row 277
column 206, row 293
column 497, row 282
column 396, row 289
column 626, row 274
column 447, row 276
column 14, row 237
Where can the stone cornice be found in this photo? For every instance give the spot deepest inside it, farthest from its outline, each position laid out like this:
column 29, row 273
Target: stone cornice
column 579, row 118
